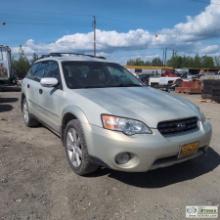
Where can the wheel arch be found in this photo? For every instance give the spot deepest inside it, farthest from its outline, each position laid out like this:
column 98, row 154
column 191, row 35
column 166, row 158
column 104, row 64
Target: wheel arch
column 71, row 113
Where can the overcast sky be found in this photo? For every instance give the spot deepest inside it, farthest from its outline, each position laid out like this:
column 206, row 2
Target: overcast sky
column 126, row 28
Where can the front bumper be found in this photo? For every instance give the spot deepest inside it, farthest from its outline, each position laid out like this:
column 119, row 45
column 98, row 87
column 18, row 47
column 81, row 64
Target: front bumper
column 150, row 151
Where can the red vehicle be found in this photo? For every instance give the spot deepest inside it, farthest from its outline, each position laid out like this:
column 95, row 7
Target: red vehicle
column 169, row 73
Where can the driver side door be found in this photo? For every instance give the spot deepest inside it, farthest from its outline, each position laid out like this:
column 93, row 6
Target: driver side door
column 51, row 99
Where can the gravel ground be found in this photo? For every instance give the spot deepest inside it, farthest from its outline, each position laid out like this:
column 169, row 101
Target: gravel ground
column 36, row 181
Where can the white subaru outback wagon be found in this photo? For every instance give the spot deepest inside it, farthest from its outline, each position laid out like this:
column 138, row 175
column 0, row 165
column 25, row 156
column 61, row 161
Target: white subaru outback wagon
column 106, row 117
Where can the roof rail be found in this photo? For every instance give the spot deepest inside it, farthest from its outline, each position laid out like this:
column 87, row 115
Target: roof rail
column 60, row 54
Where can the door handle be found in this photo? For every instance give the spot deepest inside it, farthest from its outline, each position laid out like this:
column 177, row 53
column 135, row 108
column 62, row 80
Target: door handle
column 40, row 91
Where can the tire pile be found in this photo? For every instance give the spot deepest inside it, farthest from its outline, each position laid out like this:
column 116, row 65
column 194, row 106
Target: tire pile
column 211, row 89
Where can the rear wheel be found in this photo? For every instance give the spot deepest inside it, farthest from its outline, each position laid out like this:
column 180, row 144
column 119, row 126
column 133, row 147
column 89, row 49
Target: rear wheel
column 29, row 120
column 76, row 149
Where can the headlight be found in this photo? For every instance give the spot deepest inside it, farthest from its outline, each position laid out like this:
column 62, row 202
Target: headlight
column 201, row 114
column 126, row 125
column 202, row 117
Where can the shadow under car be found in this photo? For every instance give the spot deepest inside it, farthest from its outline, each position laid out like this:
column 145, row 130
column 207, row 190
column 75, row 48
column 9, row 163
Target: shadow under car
column 166, row 176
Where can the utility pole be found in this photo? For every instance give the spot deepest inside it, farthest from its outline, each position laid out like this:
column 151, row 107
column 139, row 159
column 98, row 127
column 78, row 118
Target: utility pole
column 94, row 30
column 174, row 53
column 164, row 56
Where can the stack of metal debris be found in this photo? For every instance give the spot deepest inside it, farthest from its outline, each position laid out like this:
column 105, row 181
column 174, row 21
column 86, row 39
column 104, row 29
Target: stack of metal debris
column 211, row 89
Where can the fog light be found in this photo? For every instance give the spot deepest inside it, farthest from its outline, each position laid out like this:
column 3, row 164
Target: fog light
column 123, row 158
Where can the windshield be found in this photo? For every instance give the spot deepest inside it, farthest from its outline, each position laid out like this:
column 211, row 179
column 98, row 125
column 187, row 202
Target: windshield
column 97, row 75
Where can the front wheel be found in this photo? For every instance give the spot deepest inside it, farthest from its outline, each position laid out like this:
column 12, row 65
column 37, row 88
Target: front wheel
column 76, row 149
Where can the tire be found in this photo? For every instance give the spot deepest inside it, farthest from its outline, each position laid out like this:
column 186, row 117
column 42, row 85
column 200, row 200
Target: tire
column 29, row 120
column 76, row 149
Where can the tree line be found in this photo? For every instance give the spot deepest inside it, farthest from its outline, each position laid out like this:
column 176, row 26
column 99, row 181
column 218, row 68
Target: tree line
column 180, row 62
column 21, row 63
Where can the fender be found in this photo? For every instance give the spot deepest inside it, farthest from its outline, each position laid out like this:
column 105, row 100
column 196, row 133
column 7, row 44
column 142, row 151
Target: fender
column 78, row 113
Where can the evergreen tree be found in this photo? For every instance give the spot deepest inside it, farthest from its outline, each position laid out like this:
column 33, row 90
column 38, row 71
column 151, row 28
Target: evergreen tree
column 21, row 65
column 34, row 58
column 157, row 62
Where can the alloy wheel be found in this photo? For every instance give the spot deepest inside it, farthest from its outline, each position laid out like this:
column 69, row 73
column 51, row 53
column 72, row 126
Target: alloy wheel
column 25, row 112
column 74, row 150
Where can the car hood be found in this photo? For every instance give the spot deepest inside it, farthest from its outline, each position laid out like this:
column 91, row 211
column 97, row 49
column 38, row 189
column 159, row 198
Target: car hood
column 142, row 103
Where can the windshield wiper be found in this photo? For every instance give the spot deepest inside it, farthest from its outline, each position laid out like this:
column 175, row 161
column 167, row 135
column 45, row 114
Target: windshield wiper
column 127, row 85
column 108, row 86
column 90, row 87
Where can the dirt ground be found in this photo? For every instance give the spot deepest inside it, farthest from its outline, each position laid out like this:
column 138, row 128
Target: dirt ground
column 36, row 181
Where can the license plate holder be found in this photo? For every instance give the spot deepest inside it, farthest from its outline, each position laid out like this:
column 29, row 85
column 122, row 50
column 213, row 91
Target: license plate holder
column 187, row 150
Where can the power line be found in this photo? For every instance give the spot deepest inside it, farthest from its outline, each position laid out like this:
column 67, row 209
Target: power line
column 41, row 13
column 36, row 22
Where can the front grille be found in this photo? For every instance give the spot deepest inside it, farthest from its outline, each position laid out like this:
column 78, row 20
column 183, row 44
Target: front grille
column 178, row 126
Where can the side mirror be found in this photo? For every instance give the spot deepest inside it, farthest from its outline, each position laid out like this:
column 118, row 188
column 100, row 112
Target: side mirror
column 49, row 82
